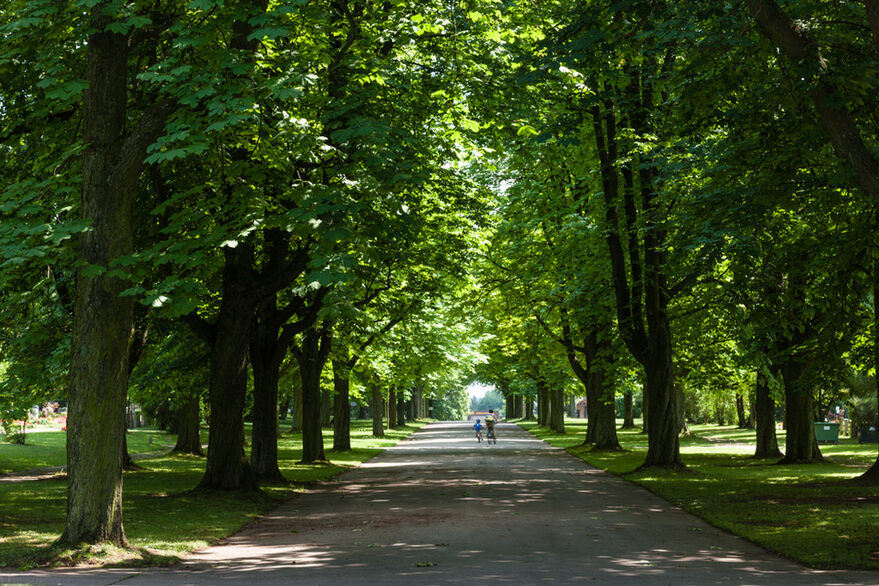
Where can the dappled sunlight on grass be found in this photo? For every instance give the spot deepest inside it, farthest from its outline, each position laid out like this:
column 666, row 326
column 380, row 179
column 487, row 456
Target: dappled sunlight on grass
column 161, row 516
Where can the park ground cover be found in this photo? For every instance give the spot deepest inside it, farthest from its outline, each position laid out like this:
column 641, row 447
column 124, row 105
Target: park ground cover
column 816, row 514
column 163, row 519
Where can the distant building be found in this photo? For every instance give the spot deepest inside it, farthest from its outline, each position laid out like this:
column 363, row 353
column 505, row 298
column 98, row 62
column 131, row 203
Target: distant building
column 474, row 415
column 581, row 409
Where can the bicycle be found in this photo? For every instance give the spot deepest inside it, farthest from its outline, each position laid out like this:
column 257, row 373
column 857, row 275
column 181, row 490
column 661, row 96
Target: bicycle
column 479, row 435
column 490, row 436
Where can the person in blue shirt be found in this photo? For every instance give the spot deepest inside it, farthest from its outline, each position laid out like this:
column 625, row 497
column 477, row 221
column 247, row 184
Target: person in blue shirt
column 478, row 428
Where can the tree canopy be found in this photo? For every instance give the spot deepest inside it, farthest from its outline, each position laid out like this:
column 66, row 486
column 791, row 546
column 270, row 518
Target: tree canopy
column 607, row 200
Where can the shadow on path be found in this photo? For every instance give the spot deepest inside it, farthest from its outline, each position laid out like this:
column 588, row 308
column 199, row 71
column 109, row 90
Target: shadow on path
column 442, row 508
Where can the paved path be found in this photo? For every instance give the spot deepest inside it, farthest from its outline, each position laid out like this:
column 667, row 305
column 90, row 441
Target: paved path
column 441, row 509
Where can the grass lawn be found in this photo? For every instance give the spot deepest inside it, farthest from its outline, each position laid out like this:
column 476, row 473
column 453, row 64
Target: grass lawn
column 46, row 447
column 813, row 513
column 162, row 521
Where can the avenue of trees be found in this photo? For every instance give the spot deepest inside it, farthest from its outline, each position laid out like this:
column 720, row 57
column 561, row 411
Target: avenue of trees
column 246, row 208
column 689, row 204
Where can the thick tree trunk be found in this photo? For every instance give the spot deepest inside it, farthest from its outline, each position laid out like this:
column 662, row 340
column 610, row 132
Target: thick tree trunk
column 312, row 357
column 188, row 424
column 264, row 435
column 600, row 405
column 377, row 410
column 801, row 446
column 605, row 429
column 102, row 319
column 628, row 410
column 663, row 446
column 651, row 345
column 528, row 407
column 543, row 404
column 418, row 398
column 764, row 411
column 392, row 408
column 227, row 467
column 341, row 409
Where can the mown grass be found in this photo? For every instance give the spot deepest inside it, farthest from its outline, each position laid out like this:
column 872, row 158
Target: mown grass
column 46, row 448
column 163, row 519
column 816, row 514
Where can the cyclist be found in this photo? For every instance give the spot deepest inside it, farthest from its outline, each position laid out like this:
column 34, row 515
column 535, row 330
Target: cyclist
column 489, row 425
column 478, row 428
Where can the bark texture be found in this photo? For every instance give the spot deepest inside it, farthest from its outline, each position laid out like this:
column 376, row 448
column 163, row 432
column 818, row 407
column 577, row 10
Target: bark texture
column 642, row 303
column 103, row 321
column 266, row 362
column 764, row 407
column 392, row 408
column 628, row 410
column 341, row 409
column 801, row 446
column 543, row 404
column 312, row 357
column 188, row 424
column 227, row 467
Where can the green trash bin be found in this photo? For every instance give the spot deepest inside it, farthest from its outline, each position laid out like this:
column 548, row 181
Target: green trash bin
column 827, row 432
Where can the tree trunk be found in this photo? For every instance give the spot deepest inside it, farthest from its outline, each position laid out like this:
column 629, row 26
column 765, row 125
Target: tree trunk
column 377, row 410
column 264, row 435
column 740, row 411
column 764, row 411
column 312, row 357
column 102, row 319
column 528, row 407
column 326, row 407
column 628, row 410
column 801, row 446
column 296, row 405
column 646, row 297
column 227, row 467
column 401, row 409
column 543, row 404
column 600, row 405
column 605, row 436
column 188, row 424
column 392, row 408
column 341, row 409
column 663, row 446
